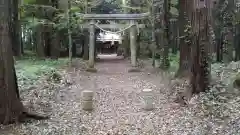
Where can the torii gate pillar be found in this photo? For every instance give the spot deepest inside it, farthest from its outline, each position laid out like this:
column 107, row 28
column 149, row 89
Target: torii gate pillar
column 133, row 47
column 91, row 44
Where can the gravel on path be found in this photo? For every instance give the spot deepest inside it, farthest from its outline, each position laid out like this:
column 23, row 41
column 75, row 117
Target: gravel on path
column 117, row 106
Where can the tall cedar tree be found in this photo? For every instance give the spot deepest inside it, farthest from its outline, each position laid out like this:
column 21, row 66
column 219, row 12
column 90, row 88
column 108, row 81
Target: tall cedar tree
column 11, row 107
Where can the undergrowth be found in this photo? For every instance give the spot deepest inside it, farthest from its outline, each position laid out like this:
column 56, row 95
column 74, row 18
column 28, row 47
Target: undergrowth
column 221, row 104
column 30, row 70
column 174, row 62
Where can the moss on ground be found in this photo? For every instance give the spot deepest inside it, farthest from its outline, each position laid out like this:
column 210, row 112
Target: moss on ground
column 30, row 70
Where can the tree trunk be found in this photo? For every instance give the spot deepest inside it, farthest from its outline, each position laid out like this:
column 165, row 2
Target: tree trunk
column 237, row 42
column 220, row 48
column 11, row 106
column 228, row 46
column 55, row 42
column 200, row 69
column 82, row 45
column 47, row 43
column 174, row 31
column 165, row 60
column 158, row 34
column 40, row 42
column 185, row 50
column 200, row 73
column 86, row 46
column 16, row 29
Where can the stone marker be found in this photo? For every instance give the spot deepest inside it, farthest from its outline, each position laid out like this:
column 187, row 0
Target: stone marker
column 148, row 99
column 87, row 100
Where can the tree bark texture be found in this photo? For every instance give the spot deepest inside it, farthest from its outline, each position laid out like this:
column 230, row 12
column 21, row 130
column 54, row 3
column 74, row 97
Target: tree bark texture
column 174, row 41
column 219, row 48
column 165, row 60
column 86, row 46
column 40, row 42
column 237, row 42
column 55, row 42
column 184, row 64
column 16, row 29
column 200, row 68
column 11, row 107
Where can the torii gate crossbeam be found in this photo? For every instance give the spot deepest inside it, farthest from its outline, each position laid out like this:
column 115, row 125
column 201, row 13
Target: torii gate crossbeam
column 113, row 16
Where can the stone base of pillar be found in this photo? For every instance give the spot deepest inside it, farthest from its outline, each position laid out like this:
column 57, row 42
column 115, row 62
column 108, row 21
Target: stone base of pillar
column 134, row 69
column 92, row 70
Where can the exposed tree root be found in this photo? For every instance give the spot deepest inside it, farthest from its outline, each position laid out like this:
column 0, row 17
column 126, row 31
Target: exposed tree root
column 182, row 74
column 26, row 116
column 181, row 100
column 183, row 97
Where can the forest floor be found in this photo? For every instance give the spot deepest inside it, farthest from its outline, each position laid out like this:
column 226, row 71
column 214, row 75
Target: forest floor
column 118, row 104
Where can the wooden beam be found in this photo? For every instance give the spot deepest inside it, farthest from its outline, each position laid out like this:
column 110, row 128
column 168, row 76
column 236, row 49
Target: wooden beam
column 113, row 16
column 112, row 26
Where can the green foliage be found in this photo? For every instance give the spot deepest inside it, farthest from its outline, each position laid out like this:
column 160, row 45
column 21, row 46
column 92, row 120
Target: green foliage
column 225, row 15
column 75, row 9
column 29, row 1
column 174, row 2
column 174, row 62
column 36, row 12
column 32, row 22
column 38, row 2
column 30, row 70
column 174, row 11
column 61, row 22
column 39, row 11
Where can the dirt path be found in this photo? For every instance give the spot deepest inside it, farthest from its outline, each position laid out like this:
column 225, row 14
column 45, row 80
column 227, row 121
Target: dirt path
column 118, row 106
column 118, row 103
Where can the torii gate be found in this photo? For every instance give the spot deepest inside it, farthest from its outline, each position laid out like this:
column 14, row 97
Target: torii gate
column 133, row 23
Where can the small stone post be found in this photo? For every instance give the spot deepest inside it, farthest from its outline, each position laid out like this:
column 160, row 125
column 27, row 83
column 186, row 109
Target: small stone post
column 87, row 100
column 148, row 99
column 91, row 45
